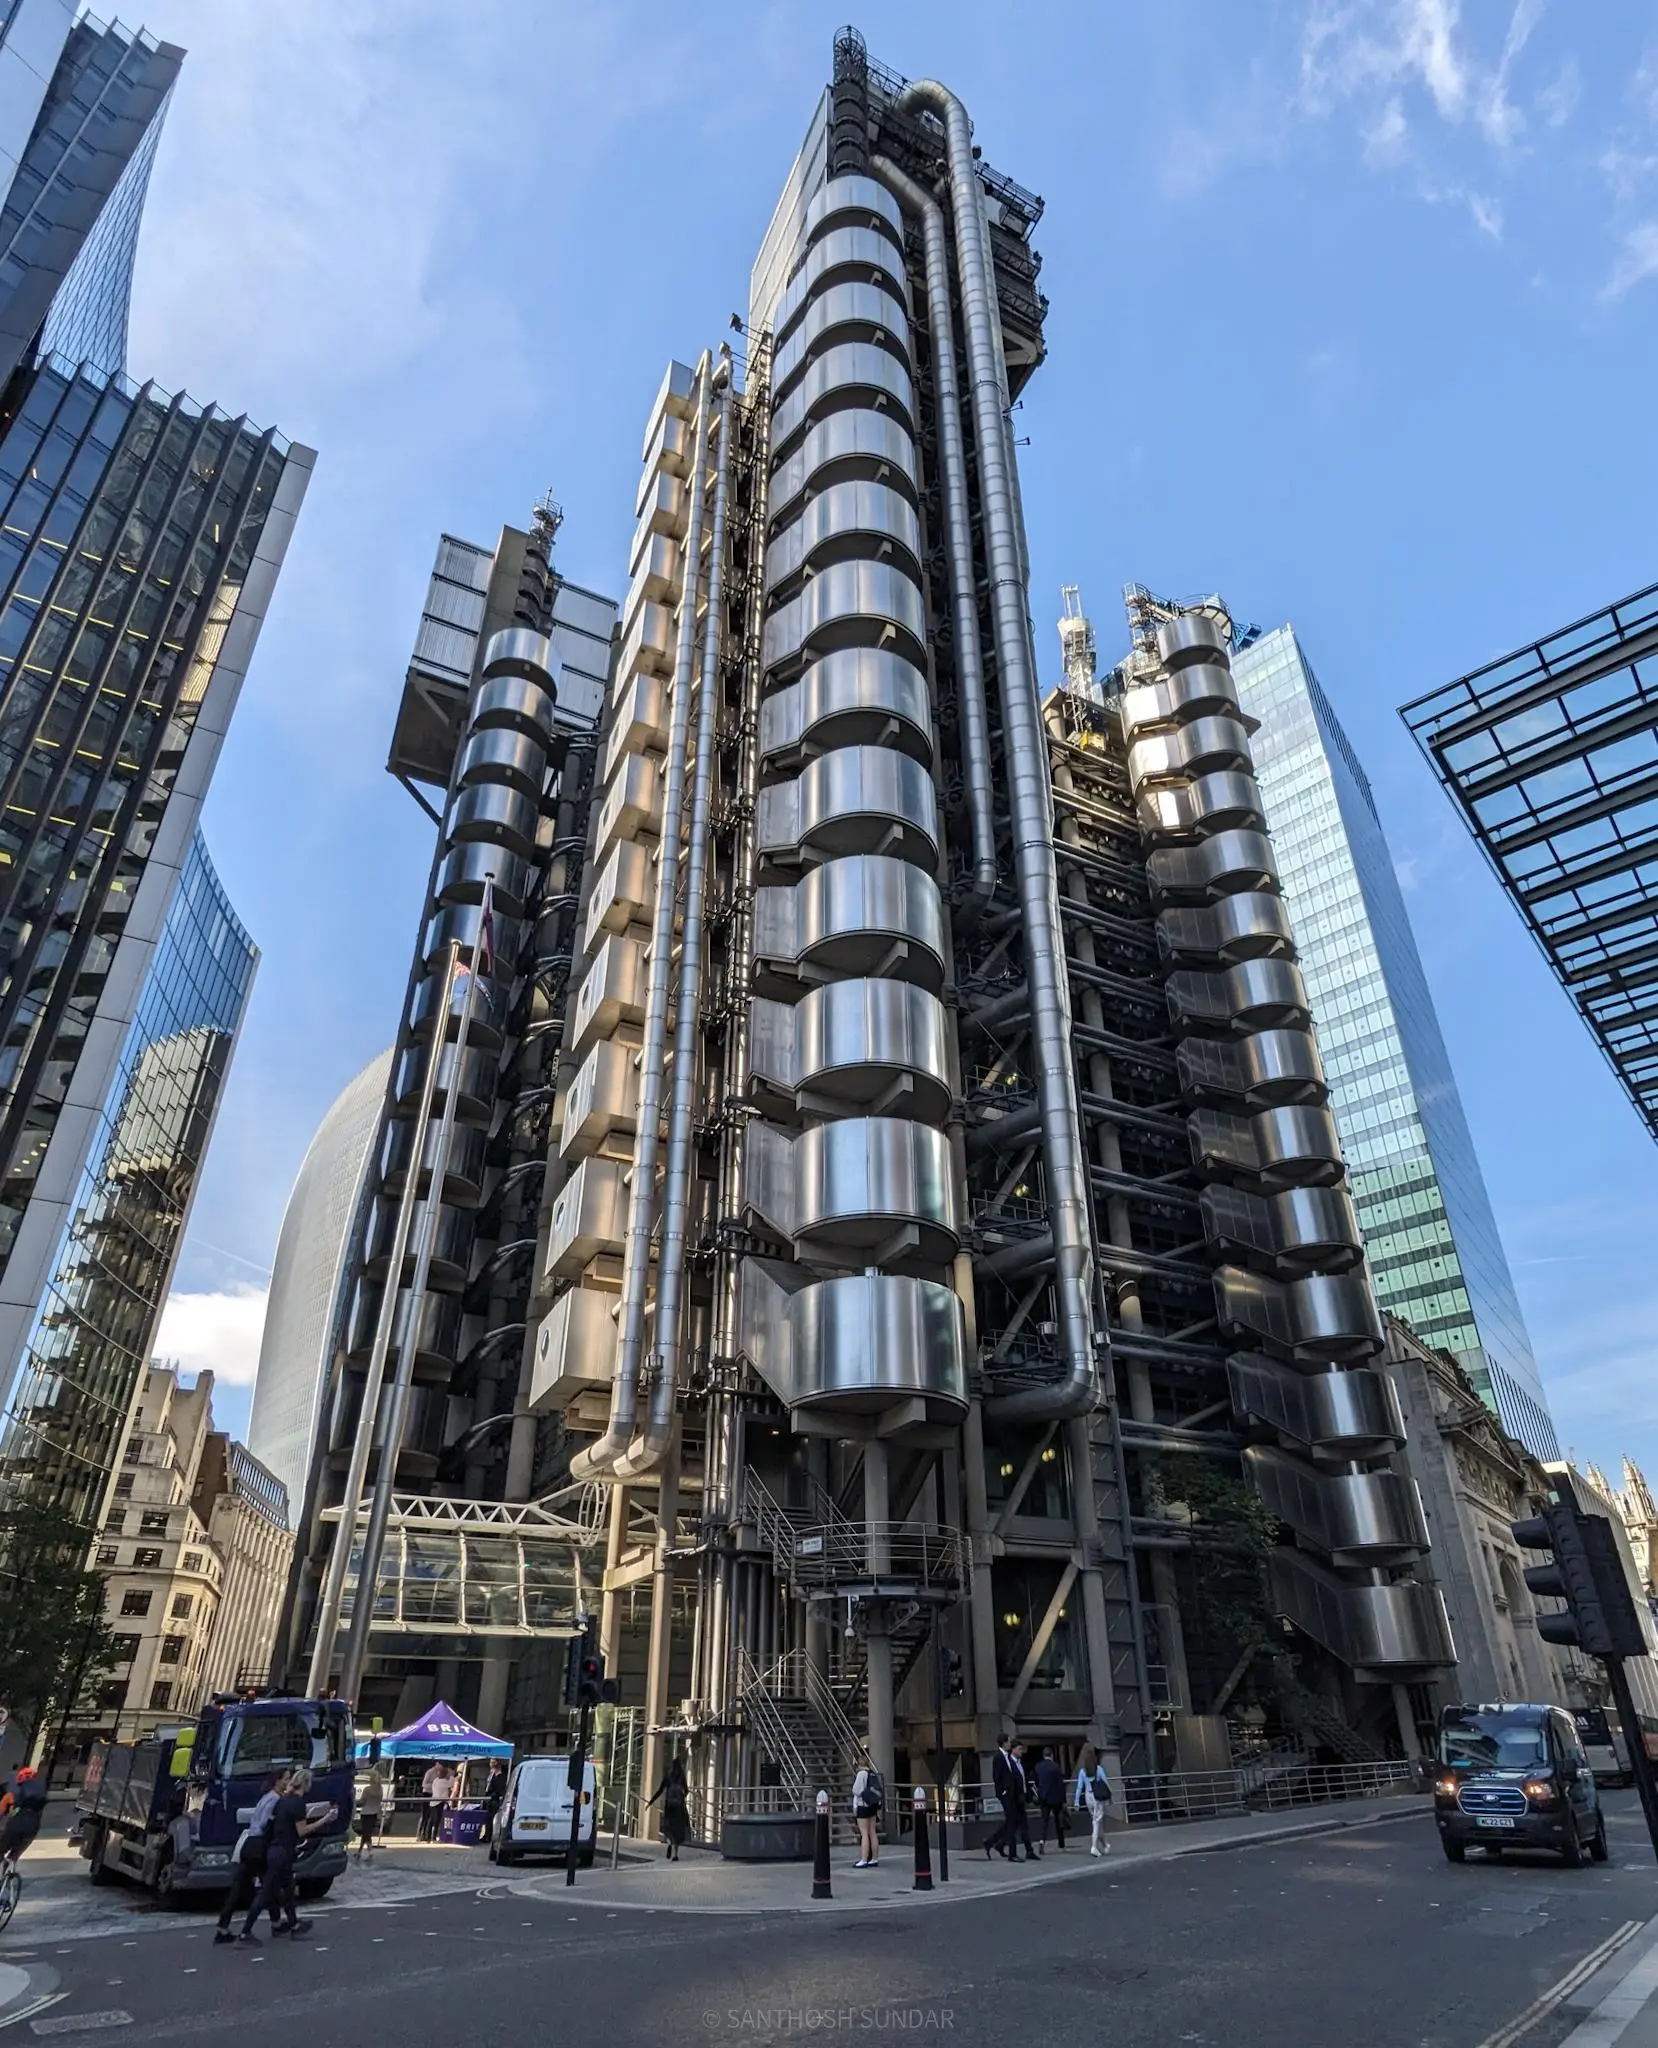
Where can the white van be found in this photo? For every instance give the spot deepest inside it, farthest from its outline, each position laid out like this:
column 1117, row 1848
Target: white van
column 534, row 1819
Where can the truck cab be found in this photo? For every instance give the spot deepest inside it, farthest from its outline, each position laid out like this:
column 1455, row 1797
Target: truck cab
column 167, row 1811
column 1515, row 1775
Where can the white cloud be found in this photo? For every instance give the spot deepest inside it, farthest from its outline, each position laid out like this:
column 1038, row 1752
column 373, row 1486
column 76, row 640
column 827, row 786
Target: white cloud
column 1487, row 215
column 1423, row 97
column 1637, row 260
column 217, row 1333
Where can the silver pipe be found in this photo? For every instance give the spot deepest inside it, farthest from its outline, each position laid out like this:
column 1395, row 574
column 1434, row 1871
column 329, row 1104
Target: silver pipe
column 646, row 1451
column 1029, row 790
column 958, row 528
column 598, row 1459
column 374, row 1538
column 328, row 1614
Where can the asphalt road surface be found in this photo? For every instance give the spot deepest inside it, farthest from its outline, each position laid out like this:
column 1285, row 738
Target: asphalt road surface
column 1364, row 1939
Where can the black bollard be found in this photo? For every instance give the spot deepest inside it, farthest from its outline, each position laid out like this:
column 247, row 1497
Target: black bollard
column 820, row 1851
column 923, row 1852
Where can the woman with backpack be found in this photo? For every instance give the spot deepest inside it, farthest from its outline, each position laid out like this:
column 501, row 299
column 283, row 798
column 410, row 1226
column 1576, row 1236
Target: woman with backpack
column 1094, row 1797
column 869, row 1796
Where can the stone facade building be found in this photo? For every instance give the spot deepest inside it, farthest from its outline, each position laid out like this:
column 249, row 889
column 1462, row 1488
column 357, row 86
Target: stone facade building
column 245, row 1509
column 1476, row 1481
column 164, row 1578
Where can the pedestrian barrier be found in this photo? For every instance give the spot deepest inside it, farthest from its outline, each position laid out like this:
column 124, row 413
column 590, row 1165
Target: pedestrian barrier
column 1168, row 1796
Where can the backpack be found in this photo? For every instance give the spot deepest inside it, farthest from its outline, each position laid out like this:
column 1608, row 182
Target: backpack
column 1101, row 1787
column 874, row 1795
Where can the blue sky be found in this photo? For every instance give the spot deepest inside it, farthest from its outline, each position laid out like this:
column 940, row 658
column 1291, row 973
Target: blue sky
column 1353, row 319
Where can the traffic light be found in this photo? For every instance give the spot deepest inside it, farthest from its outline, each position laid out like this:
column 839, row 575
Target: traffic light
column 1587, row 1573
column 578, row 1652
column 589, row 1678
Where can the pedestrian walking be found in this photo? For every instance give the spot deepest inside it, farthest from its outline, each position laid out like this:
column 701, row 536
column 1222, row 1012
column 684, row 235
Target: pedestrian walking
column 869, row 1798
column 1019, row 1820
column 289, row 1825
column 1050, row 1796
column 371, row 1810
column 675, row 1796
column 1002, row 1768
column 1093, row 1791
column 248, row 1857
column 438, row 1786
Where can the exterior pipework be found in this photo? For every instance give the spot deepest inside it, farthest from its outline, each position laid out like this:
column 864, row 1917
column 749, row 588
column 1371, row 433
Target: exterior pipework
column 647, row 1449
column 374, row 1538
column 975, row 735
column 598, row 1460
column 328, row 1617
column 1030, row 795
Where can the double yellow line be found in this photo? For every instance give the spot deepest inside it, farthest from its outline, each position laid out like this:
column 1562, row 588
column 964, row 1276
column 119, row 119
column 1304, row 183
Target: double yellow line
column 1557, row 1994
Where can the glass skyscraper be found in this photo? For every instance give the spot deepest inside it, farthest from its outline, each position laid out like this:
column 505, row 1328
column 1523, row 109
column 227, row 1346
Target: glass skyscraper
column 140, row 539
column 68, row 1411
column 1435, row 1255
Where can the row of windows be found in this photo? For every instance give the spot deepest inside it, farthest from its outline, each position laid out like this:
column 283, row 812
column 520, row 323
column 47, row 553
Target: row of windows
column 137, row 1601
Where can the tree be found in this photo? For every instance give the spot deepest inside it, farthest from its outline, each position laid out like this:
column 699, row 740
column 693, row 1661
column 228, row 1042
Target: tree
column 1226, row 1604
column 54, row 1641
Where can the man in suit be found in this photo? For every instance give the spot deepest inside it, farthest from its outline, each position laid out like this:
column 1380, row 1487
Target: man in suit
column 1019, row 1817
column 1003, row 1771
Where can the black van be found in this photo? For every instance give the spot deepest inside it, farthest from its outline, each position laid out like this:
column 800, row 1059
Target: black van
column 1515, row 1777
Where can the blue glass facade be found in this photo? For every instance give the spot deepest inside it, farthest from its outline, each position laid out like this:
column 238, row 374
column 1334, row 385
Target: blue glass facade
column 91, row 143
column 88, row 320
column 1435, row 1254
column 92, row 1339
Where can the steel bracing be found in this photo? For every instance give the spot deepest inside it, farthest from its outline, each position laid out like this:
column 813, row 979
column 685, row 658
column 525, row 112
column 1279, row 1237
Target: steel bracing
column 1551, row 755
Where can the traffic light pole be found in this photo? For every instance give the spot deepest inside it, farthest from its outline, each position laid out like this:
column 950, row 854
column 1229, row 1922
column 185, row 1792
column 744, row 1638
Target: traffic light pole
column 1640, row 1764
column 938, row 1745
column 578, row 1786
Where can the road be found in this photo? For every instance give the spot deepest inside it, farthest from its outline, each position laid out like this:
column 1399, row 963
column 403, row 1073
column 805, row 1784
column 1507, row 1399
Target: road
column 1365, row 1939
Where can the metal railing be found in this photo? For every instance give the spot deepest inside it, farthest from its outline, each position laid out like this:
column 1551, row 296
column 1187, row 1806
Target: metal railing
column 1261, row 1787
column 907, row 1557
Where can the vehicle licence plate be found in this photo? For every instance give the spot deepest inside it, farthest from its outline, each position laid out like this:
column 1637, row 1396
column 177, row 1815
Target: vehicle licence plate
column 531, row 1826
column 1487, row 1820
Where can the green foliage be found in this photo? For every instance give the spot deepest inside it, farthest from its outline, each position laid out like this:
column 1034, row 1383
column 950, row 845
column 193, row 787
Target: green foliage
column 53, row 1637
column 1225, row 1599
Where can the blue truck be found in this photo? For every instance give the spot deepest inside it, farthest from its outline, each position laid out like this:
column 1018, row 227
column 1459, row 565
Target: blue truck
column 166, row 1811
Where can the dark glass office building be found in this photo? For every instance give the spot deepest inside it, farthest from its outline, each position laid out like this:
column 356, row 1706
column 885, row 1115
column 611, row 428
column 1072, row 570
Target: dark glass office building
column 140, row 539
column 115, row 1261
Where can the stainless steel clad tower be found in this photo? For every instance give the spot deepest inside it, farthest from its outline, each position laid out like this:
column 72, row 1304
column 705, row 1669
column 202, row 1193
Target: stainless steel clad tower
column 899, row 1221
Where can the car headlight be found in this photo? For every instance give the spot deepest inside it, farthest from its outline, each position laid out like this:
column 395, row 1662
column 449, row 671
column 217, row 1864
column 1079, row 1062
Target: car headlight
column 1445, row 1787
column 211, row 1859
column 1540, row 1791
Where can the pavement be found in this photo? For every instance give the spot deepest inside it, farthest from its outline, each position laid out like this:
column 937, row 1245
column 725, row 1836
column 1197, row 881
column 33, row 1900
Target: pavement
column 59, row 1904
column 1258, row 1934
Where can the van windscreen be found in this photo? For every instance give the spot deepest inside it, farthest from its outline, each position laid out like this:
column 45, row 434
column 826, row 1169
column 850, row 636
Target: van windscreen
column 1494, row 1740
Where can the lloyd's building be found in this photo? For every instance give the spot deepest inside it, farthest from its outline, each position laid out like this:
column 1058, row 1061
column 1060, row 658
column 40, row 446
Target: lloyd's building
column 940, row 1247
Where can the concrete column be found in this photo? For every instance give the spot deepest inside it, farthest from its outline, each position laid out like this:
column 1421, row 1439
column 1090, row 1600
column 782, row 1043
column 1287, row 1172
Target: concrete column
column 614, row 1538
column 879, row 1642
column 492, row 1690
column 662, row 1604
column 987, row 1699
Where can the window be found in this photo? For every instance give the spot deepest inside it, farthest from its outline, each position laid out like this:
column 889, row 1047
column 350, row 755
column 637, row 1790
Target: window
column 133, row 1451
column 123, row 1486
column 108, row 1553
column 172, row 1649
column 113, row 1695
column 182, row 1605
column 192, row 1560
column 146, row 1560
column 153, row 1522
column 135, row 1603
column 126, row 1648
column 161, row 1693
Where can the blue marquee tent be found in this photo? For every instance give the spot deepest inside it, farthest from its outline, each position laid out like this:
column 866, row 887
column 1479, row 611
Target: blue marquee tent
column 440, row 1732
